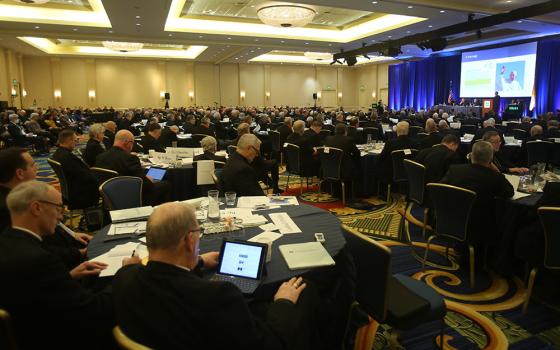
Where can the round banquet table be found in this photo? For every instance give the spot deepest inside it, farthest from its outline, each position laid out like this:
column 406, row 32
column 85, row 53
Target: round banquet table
column 308, row 218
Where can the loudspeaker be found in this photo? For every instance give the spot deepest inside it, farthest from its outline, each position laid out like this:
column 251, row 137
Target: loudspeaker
column 314, row 95
column 167, row 96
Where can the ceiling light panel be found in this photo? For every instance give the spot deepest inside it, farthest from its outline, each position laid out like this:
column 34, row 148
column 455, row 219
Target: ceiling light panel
column 301, row 58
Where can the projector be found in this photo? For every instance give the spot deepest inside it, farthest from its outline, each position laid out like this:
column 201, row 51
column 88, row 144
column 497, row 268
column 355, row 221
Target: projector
column 32, row 2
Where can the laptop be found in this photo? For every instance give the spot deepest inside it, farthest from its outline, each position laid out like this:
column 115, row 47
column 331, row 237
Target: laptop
column 241, row 263
column 156, row 173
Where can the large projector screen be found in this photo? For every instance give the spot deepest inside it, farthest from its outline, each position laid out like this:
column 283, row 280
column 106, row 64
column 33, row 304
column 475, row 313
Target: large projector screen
column 508, row 70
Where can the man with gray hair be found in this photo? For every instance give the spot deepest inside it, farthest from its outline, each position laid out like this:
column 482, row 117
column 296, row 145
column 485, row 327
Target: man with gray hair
column 402, row 141
column 95, row 145
column 486, row 180
column 204, row 128
column 167, row 305
column 37, row 289
column 238, row 175
column 433, row 137
column 209, row 146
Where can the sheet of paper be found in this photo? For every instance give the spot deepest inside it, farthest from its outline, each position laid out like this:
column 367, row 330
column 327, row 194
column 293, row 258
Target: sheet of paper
column 254, row 220
column 131, row 214
column 519, row 195
column 266, row 236
column 238, row 213
column 268, row 227
column 115, row 256
column 251, row 201
column 513, row 180
column 284, row 223
column 204, row 169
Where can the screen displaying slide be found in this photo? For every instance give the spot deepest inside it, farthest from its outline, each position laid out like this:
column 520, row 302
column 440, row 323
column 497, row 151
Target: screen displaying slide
column 508, row 70
column 241, row 260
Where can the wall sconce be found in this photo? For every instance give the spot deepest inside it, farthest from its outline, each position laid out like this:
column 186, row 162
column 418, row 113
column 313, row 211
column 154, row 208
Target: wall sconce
column 14, row 92
column 162, row 95
column 242, row 95
column 319, row 95
column 91, row 94
column 267, row 94
column 340, row 95
column 24, row 93
column 373, row 94
column 57, row 94
column 191, row 95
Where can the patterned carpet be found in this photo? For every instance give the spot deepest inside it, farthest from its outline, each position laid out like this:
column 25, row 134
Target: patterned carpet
column 487, row 316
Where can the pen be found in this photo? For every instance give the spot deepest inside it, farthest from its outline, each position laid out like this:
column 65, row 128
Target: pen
column 133, row 252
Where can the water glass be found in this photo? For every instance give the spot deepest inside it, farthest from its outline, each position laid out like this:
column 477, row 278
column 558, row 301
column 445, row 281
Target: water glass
column 230, row 198
column 213, row 205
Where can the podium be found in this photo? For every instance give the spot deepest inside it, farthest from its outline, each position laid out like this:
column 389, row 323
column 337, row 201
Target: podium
column 487, row 106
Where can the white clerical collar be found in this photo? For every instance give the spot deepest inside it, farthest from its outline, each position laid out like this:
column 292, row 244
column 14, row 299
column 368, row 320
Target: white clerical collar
column 183, row 267
column 28, row 231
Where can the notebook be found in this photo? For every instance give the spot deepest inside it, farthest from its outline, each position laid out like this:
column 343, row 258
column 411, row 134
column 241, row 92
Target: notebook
column 156, row 173
column 241, row 263
column 305, row 255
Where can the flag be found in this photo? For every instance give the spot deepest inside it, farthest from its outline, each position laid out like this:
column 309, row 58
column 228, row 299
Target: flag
column 533, row 102
column 451, row 96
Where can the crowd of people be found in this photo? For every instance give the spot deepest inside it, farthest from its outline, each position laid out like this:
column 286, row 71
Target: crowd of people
column 49, row 286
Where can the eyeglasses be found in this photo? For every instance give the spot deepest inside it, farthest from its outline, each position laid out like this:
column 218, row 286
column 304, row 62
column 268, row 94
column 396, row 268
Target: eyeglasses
column 200, row 231
column 59, row 206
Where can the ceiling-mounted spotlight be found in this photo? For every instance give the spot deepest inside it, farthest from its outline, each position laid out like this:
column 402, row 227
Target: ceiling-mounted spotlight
column 433, row 44
column 350, row 61
column 335, row 61
column 366, row 56
column 391, row 51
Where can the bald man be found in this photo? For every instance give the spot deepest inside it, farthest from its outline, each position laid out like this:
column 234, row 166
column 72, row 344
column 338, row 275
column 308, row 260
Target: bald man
column 119, row 159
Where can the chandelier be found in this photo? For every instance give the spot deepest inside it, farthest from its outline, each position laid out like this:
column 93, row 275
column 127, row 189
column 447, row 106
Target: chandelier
column 286, row 15
column 33, row 2
column 318, row 56
column 122, row 46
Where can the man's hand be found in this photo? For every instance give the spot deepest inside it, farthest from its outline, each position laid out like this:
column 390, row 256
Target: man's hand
column 290, row 290
column 83, row 252
column 519, row 170
column 150, row 178
column 83, row 238
column 135, row 259
column 87, row 268
column 210, row 259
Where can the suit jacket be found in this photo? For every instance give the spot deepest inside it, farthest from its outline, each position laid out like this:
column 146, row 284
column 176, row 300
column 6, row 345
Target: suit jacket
column 488, row 184
column 125, row 164
column 284, row 131
column 40, row 295
column 240, row 177
column 82, row 186
column 93, row 149
column 17, row 133
column 203, row 131
column 480, row 133
column 167, row 137
column 149, row 142
column 194, row 313
column 437, row 160
column 210, row 156
column 430, row 140
column 108, row 139
column 553, row 133
column 309, row 165
column 351, row 159
column 315, row 139
column 5, row 220
column 356, row 135
column 385, row 159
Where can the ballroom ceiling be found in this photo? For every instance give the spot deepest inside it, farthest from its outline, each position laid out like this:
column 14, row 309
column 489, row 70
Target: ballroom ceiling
column 219, row 31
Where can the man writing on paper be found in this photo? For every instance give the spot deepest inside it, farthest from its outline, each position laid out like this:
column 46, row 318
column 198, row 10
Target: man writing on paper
column 166, row 305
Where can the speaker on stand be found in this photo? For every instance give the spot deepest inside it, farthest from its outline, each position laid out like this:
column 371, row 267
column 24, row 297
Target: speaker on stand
column 167, row 98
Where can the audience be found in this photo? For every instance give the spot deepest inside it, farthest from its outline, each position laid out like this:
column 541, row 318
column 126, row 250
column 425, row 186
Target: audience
column 439, row 158
column 150, row 140
column 309, row 163
column 238, row 175
column 351, row 159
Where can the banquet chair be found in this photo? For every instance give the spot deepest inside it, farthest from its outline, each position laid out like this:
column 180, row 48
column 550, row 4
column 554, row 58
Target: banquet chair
column 414, row 130
column 519, row 134
column 397, row 300
column 276, row 144
column 125, row 342
column 550, row 221
column 416, row 175
column 468, row 129
column 331, row 168
column 374, row 132
column 102, row 174
column 7, row 338
column 324, row 134
column 122, row 192
column 452, row 207
column 538, row 152
column 399, row 174
column 294, row 166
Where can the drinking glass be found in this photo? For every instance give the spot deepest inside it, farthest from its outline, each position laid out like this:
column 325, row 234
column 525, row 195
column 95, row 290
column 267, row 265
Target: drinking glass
column 213, row 205
column 230, row 198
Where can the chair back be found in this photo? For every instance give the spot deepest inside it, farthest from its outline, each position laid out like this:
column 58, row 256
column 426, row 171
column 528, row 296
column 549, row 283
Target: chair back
column 538, row 152
column 374, row 132
column 414, row 130
column 519, row 134
column 275, row 142
column 196, row 138
column 468, row 129
column 102, row 174
column 219, row 165
column 324, row 133
column 203, row 170
column 373, row 263
column 57, row 168
column 554, row 155
column 421, row 135
column 399, row 174
column 416, row 175
column 122, row 192
column 7, row 338
column 293, row 158
column 231, row 149
column 125, row 342
column 550, row 220
column 331, row 162
column 452, row 206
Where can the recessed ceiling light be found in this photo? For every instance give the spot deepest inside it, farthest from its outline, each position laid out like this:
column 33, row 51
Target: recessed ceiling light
column 430, row 26
column 169, row 34
column 519, row 21
column 442, row 11
column 252, row 50
column 37, row 27
column 229, row 38
column 75, row 29
column 200, row 36
column 110, row 31
column 138, row 24
column 256, row 39
column 306, row 43
column 508, row 1
column 236, row 58
column 410, row 7
column 258, row 48
column 374, row 2
column 137, row 16
column 330, row 44
column 282, row 41
column 372, row 40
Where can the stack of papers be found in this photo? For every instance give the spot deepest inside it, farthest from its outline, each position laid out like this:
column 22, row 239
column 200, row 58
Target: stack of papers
column 114, row 257
column 284, row 223
column 263, row 201
column 127, row 228
column 132, row 214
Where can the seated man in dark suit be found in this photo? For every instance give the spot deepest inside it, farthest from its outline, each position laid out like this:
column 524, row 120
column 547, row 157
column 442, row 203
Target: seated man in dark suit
column 238, row 175
column 552, row 130
column 285, row 129
column 433, row 137
column 536, row 134
column 209, row 146
column 351, row 159
column 313, row 134
column 150, row 140
column 484, row 178
column 189, row 125
column 438, row 158
column 444, row 129
column 82, row 186
column 40, row 292
column 119, row 159
column 242, row 129
column 204, row 128
column 22, row 139
column 189, row 309
column 353, row 132
column 488, row 125
column 109, row 134
column 309, row 162
column 168, row 136
column 17, row 166
column 95, row 145
column 402, row 141
column 125, row 123
column 499, row 160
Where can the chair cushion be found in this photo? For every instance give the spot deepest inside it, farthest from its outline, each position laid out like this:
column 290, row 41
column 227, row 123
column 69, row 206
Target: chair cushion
column 411, row 302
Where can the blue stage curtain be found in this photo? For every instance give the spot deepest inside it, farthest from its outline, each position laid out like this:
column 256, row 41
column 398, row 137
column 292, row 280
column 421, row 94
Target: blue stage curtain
column 425, row 83
column 547, row 77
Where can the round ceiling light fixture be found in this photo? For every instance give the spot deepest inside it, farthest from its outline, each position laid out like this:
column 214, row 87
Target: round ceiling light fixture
column 122, row 46
column 318, row 56
column 286, row 15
